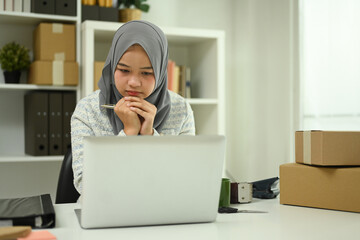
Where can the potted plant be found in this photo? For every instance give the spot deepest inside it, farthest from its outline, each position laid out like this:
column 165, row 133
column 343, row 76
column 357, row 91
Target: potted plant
column 13, row 59
column 131, row 9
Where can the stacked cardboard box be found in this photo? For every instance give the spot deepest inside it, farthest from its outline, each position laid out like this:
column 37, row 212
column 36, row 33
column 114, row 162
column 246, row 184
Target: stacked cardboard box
column 326, row 173
column 55, row 55
column 98, row 67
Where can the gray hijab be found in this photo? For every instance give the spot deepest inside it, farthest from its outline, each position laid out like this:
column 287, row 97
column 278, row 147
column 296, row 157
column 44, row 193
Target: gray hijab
column 154, row 42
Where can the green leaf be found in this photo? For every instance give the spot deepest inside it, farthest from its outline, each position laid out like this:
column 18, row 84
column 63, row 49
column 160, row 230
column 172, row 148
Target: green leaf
column 141, row 6
column 145, row 7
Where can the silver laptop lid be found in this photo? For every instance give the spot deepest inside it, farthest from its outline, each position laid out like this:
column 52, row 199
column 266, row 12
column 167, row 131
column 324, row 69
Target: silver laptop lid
column 146, row 180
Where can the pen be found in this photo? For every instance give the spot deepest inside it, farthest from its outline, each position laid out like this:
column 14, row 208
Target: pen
column 109, row 106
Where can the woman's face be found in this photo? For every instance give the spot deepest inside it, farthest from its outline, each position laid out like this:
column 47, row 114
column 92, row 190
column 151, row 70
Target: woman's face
column 134, row 75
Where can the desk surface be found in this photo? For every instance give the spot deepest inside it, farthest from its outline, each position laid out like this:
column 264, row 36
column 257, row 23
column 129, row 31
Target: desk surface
column 280, row 222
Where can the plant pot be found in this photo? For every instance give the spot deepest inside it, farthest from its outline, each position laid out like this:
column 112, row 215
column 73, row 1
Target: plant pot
column 12, row 77
column 129, row 14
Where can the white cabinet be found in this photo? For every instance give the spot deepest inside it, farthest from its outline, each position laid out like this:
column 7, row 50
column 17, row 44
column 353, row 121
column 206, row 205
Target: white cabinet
column 201, row 50
column 21, row 174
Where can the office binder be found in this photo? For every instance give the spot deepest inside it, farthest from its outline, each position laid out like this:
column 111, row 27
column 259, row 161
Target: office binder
column 69, row 104
column 55, row 124
column 36, row 123
column 36, row 211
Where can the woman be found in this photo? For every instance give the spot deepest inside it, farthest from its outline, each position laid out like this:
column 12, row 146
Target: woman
column 134, row 80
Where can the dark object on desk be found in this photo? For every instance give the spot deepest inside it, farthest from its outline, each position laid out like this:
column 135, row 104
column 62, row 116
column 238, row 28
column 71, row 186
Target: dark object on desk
column 264, row 188
column 35, row 211
column 227, row 210
column 241, row 192
column 235, row 210
column 66, row 192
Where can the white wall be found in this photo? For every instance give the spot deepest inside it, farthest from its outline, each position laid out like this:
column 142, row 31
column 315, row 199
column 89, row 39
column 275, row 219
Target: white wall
column 259, row 73
column 262, row 137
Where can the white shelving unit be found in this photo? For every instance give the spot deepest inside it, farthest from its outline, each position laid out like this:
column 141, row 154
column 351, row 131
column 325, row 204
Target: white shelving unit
column 21, row 174
column 201, row 50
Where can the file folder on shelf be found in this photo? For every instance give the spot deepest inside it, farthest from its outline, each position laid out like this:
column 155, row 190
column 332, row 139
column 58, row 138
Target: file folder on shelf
column 55, row 124
column 36, row 123
column 69, row 104
column 36, row 211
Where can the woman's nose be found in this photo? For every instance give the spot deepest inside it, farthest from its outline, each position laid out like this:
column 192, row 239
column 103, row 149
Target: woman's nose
column 134, row 81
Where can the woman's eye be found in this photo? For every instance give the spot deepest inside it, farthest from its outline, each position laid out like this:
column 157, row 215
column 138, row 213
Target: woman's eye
column 123, row 70
column 147, row 73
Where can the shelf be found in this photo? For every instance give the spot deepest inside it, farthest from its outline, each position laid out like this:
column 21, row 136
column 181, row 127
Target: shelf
column 33, row 18
column 181, row 36
column 26, row 87
column 28, row 158
column 202, row 101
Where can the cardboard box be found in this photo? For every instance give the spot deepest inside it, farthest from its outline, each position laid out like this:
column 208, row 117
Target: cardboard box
column 336, row 188
column 98, row 67
column 54, row 73
column 327, row 148
column 55, row 41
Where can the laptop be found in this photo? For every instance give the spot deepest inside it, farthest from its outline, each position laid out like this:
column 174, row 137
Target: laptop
column 147, row 180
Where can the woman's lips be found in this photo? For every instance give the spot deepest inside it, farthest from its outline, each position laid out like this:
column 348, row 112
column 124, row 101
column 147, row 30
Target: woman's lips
column 133, row 93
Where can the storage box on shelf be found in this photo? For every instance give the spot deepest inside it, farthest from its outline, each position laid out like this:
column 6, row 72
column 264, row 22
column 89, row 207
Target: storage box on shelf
column 54, row 55
column 54, row 73
column 97, row 13
column 21, row 174
column 58, row 7
column 53, row 41
column 200, row 50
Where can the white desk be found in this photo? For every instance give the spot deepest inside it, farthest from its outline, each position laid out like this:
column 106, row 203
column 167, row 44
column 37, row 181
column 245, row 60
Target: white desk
column 281, row 222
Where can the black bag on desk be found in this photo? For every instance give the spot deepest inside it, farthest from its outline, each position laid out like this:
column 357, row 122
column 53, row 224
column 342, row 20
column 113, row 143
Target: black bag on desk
column 36, row 211
column 266, row 189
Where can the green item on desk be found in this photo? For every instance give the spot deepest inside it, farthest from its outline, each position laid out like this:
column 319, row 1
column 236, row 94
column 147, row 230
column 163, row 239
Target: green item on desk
column 224, row 200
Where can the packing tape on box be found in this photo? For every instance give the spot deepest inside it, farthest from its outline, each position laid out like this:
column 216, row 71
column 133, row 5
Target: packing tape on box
column 60, row 56
column 57, row 28
column 58, row 73
column 307, row 147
